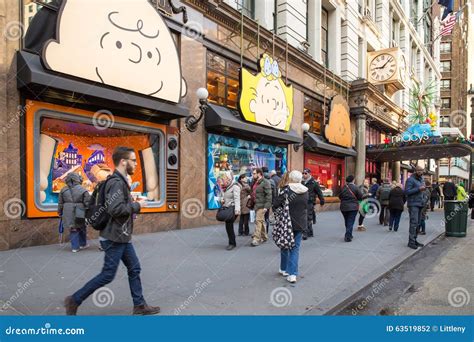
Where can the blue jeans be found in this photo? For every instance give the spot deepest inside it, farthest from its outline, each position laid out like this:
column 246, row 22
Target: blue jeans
column 415, row 221
column 289, row 257
column 114, row 252
column 78, row 237
column 349, row 219
column 395, row 216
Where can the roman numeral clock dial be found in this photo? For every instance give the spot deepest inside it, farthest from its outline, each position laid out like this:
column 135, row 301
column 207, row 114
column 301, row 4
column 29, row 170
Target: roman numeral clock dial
column 382, row 67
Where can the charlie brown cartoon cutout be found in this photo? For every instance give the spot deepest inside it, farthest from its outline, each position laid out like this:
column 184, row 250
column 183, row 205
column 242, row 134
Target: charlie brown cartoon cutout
column 338, row 130
column 264, row 98
column 125, row 44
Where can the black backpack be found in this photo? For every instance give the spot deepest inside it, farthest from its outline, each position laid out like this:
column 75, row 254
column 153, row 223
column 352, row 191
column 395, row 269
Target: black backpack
column 96, row 213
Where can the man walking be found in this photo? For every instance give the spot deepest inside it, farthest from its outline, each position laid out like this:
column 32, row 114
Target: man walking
column 449, row 190
column 313, row 191
column 115, row 238
column 414, row 190
column 383, row 195
column 262, row 195
column 435, row 195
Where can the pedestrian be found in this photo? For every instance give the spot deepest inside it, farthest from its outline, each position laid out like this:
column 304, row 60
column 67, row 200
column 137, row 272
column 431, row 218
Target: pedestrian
column 396, row 204
column 373, row 188
column 350, row 197
column 424, row 211
column 72, row 204
column 262, row 197
column 461, row 194
column 449, row 190
column 435, row 195
column 273, row 186
column 382, row 195
column 297, row 195
column 414, row 188
column 276, row 180
column 314, row 191
column 230, row 198
column 471, row 201
column 245, row 195
column 116, row 237
column 364, row 189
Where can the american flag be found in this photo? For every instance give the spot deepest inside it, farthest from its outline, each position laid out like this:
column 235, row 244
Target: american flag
column 448, row 24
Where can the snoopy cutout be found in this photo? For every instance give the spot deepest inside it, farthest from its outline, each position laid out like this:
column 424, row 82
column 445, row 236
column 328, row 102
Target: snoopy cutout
column 125, row 44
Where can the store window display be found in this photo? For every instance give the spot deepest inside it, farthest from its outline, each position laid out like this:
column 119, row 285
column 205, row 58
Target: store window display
column 329, row 171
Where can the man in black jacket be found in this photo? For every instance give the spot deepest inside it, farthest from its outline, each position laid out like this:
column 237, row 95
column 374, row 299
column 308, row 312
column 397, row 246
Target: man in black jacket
column 435, row 195
column 313, row 191
column 449, row 190
column 116, row 237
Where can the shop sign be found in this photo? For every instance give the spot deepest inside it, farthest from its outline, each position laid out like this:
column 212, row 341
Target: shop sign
column 338, row 130
column 415, row 137
column 111, row 42
column 264, row 98
column 315, row 162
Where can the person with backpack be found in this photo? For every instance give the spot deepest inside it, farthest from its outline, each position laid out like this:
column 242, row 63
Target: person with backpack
column 383, row 194
column 72, row 203
column 112, row 203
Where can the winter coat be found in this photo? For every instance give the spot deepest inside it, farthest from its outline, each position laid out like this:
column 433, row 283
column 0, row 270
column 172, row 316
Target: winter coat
column 426, row 201
column 373, row 190
column 435, row 191
column 397, row 199
column 350, row 199
column 72, row 198
column 298, row 202
column 461, row 193
column 449, row 191
column 365, row 191
column 274, row 181
column 413, row 192
column 313, row 191
column 262, row 194
column 383, row 192
column 120, row 208
column 245, row 192
column 231, row 196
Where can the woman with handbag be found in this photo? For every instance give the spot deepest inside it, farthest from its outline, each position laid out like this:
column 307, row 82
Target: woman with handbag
column 230, row 206
column 72, row 202
column 350, row 197
column 245, row 193
column 291, row 219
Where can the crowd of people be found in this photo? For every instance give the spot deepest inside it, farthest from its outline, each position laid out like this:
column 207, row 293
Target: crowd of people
column 290, row 197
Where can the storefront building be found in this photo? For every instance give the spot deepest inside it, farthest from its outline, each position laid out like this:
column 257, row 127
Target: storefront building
column 68, row 114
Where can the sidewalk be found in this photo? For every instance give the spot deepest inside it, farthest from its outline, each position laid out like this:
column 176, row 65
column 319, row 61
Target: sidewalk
column 189, row 272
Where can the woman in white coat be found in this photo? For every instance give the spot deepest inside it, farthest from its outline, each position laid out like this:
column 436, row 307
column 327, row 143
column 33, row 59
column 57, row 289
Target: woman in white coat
column 231, row 197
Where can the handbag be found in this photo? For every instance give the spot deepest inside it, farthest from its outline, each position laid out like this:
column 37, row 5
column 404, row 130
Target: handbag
column 225, row 214
column 283, row 235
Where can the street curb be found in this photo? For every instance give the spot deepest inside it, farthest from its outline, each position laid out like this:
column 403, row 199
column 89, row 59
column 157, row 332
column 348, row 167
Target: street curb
column 345, row 302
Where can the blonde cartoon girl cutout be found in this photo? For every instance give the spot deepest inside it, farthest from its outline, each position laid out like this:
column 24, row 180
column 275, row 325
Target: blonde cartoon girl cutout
column 264, row 98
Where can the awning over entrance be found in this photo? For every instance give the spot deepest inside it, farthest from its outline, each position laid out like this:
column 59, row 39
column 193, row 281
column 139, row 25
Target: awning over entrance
column 433, row 148
column 42, row 84
column 316, row 144
column 224, row 120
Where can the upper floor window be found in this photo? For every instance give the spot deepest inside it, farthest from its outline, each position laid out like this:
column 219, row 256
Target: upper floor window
column 247, row 7
column 313, row 115
column 444, row 121
column 222, row 80
column 445, row 66
column 445, row 84
column 445, row 47
column 324, row 37
column 446, row 103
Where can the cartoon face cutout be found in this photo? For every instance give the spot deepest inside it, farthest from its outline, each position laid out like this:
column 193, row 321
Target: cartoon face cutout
column 338, row 130
column 123, row 43
column 265, row 99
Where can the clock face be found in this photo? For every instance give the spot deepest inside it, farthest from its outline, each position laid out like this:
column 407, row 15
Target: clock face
column 402, row 69
column 382, row 67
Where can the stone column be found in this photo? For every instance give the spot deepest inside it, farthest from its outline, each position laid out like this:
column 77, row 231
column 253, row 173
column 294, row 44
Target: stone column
column 360, row 147
column 264, row 10
column 396, row 171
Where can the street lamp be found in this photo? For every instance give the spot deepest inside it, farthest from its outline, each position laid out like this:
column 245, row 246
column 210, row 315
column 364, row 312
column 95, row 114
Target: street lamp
column 305, row 128
column 191, row 122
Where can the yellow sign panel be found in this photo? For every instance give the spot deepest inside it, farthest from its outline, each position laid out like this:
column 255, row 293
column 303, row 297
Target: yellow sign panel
column 264, row 98
column 338, row 130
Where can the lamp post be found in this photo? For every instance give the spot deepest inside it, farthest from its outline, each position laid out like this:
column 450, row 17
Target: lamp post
column 305, row 128
column 191, row 122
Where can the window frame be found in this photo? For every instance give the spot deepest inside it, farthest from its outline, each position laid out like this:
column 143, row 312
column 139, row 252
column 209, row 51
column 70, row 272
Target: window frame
column 442, row 68
column 313, row 113
column 441, row 50
column 226, row 76
column 325, row 30
column 448, row 80
column 448, row 100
